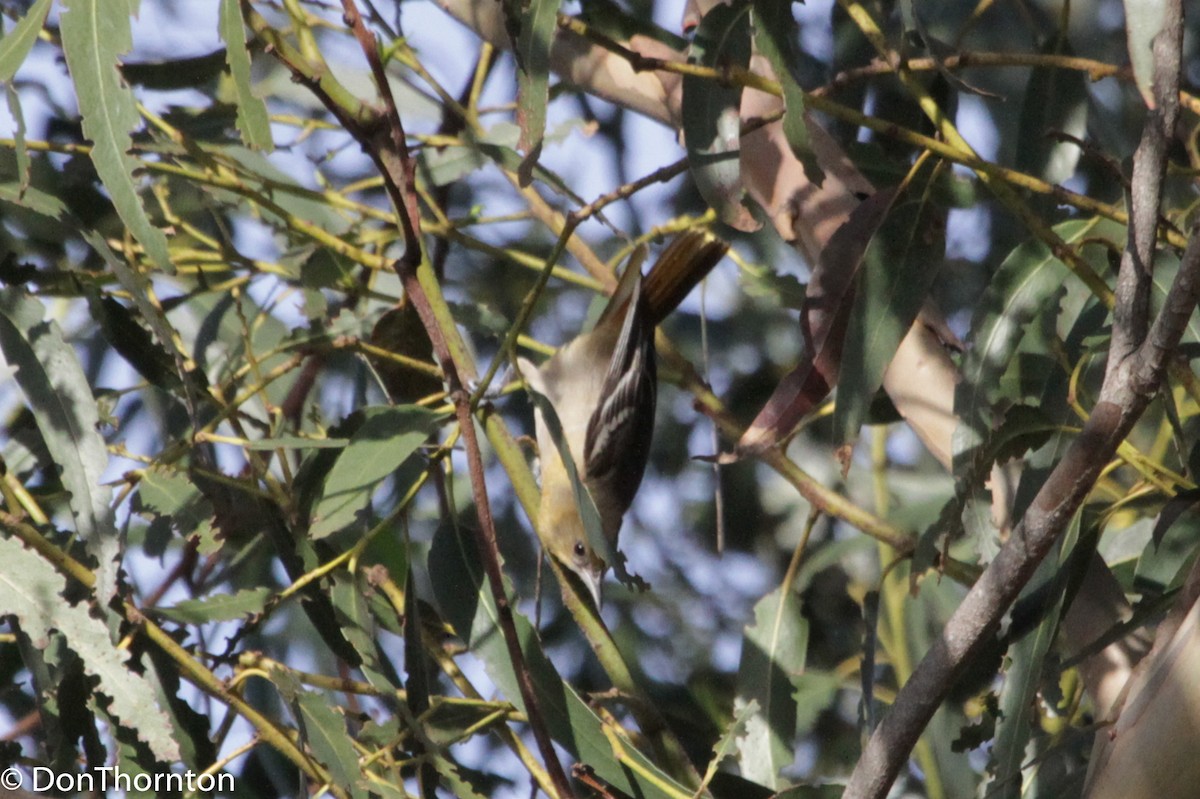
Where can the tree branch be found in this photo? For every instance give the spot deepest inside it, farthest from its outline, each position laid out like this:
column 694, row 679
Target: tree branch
column 383, row 140
column 1130, row 381
column 1130, row 315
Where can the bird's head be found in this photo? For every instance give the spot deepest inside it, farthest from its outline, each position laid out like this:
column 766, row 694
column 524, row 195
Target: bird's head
column 564, row 536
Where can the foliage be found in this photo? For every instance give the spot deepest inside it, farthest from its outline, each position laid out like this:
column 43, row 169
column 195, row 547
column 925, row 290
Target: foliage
column 243, row 530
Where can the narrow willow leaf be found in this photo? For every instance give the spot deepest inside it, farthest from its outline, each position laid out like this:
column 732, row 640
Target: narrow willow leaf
column 1017, row 305
column 538, row 23
column 899, row 268
column 775, row 286
column 54, row 383
column 358, row 627
column 32, row 590
column 20, row 148
column 175, row 499
column 1018, row 696
column 774, row 36
column 773, row 654
column 95, row 33
column 1171, row 550
column 1143, row 20
column 711, row 115
column 324, row 729
column 384, row 441
column 192, row 728
column 1024, row 286
column 35, row 200
column 121, row 329
column 51, row 207
column 451, row 164
column 466, row 602
column 15, row 46
column 1056, row 101
column 917, row 32
column 612, row 20
column 282, row 195
column 454, row 778
column 727, row 744
column 828, row 304
column 252, row 118
column 221, row 607
column 1166, row 267
column 176, row 74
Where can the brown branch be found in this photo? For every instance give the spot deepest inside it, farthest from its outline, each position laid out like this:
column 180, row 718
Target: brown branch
column 977, row 618
column 389, row 149
column 383, row 140
column 1131, row 313
column 1130, row 382
column 391, row 154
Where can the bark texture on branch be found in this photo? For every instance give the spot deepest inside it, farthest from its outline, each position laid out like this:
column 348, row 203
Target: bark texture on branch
column 1137, row 362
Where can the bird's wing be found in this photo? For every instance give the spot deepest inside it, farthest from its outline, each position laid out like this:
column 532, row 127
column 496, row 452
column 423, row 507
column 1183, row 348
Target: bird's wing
column 617, row 445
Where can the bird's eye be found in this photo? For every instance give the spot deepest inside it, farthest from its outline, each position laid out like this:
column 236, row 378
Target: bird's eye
column 580, row 549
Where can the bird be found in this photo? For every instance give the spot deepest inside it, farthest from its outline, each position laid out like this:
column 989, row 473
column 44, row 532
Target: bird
column 602, row 386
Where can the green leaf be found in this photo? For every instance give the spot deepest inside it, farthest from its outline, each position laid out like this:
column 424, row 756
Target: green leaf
column 728, row 742
column 175, row 498
column 297, row 442
column 610, row 19
column 1025, row 286
column 711, row 114
column 386, row 439
column 20, row 148
column 135, row 283
column 780, row 287
column 1018, row 309
column 95, row 33
column 57, row 390
column 275, row 192
column 220, row 607
column 1056, row 101
column 325, row 731
column 192, row 728
column 882, row 168
column 357, row 625
column 900, row 265
column 1171, row 550
column 497, row 144
column 15, row 47
column 1018, row 696
column 774, row 35
column 774, row 649
column 1166, row 267
column 454, row 777
column 121, row 329
column 1143, row 21
column 538, row 24
column 32, row 590
column 252, row 118
column 466, row 602
column 174, row 74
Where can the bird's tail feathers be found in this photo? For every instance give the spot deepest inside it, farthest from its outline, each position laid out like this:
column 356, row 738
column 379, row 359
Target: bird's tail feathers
column 681, row 266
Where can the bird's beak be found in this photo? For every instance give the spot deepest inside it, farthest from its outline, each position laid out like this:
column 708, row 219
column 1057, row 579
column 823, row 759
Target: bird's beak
column 594, row 580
